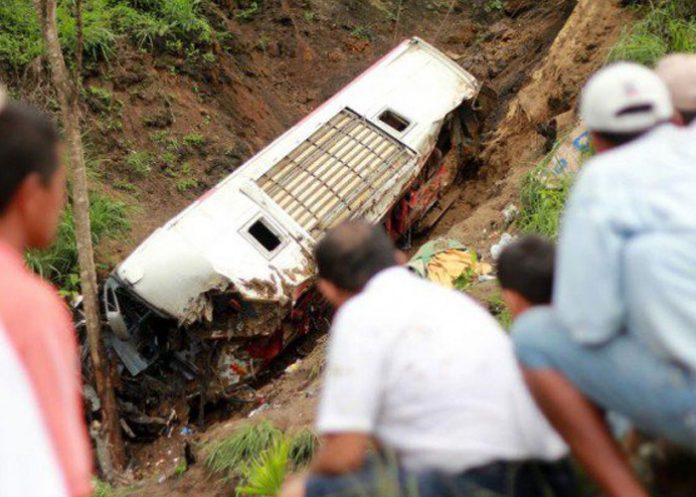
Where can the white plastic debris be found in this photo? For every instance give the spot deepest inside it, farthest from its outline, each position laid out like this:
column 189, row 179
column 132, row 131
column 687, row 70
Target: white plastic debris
column 510, row 213
column 261, row 408
column 505, row 240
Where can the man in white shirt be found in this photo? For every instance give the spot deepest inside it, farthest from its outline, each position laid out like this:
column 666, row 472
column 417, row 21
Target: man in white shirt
column 28, row 464
column 421, row 372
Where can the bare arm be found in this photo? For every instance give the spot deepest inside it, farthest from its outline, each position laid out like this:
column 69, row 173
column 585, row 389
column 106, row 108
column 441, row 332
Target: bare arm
column 583, row 427
column 340, row 453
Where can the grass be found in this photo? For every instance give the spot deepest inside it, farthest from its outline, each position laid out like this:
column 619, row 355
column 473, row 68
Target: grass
column 140, row 162
column 59, row 263
column 228, row 457
column 500, row 311
column 303, row 446
column 667, row 26
column 265, row 474
column 152, row 24
column 259, row 454
column 194, row 140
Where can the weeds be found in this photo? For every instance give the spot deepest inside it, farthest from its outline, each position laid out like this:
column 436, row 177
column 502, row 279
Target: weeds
column 497, row 307
column 362, row 33
column 264, row 476
column 58, row 264
column 140, row 162
column 248, row 13
column 270, row 451
column 668, row 26
column 150, row 24
column 302, row 448
column 227, row 457
column 186, row 184
column 194, row 140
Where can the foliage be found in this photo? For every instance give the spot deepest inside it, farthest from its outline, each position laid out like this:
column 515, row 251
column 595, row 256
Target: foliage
column 302, row 448
column 59, row 263
column 362, row 33
column 228, row 456
column 668, row 26
column 248, row 13
column 265, row 474
column 155, row 24
column 20, row 35
column 500, row 311
column 140, row 162
column 186, row 184
column 194, row 140
column 102, row 489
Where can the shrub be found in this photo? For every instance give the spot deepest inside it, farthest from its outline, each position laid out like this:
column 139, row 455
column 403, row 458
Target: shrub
column 265, row 474
column 140, row 162
column 227, row 457
column 59, row 263
column 20, row 34
column 302, row 448
column 668, row 26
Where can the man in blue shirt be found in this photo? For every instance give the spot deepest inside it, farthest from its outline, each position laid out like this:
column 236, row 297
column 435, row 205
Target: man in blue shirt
column 621, row 333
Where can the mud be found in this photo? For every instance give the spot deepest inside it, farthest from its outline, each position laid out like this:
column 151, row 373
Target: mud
column 277, row 68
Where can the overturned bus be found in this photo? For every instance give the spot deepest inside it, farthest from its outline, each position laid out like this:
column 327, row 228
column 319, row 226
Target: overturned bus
column 217, row 292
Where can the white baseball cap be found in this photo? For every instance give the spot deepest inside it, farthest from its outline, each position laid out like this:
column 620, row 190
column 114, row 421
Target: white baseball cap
column 625, row 98
column 678, row 71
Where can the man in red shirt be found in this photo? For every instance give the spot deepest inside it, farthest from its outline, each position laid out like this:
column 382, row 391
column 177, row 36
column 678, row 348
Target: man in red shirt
column 36, row 321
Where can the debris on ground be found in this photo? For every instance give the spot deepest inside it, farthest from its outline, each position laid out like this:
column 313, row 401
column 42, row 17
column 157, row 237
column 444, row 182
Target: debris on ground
column 505, row 240
column 443, row 261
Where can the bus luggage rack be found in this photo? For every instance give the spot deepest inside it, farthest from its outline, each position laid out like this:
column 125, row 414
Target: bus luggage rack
column 329, row 177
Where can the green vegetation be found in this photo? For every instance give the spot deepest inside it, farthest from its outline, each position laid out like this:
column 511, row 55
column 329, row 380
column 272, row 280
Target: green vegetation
column 155, row 24
column 270, row 451
column 542, row 204
column 227, row 457
column 249, row 12
column 265, row 474
column 194, row 140
column 668, row 26
column 500, row 311
column 186, row 184
column 302, row 448
column 102, row 489
column 58, row 264
column 140, row 162
column 362, row 33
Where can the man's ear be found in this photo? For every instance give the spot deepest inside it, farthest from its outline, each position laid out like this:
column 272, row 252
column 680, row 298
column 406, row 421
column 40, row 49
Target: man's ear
column 327, row 289
column 515, row 302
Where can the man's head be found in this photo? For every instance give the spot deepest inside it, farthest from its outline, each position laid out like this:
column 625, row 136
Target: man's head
column 525, row 272
column 622, row 102
column 349, row 256
column 32, row 181
column 678, row 71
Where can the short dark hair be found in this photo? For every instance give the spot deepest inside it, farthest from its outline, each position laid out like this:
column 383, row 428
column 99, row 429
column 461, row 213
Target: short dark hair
column 28, row 140
column 618, row 139
column 526, row 267
column 352, row 253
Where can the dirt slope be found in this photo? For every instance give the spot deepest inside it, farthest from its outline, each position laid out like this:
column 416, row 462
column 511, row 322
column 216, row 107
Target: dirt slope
column 516, row 145
column 536, row 58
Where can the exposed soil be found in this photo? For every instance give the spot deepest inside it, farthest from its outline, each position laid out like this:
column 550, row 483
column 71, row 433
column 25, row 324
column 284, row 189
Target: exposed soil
column 535, row 55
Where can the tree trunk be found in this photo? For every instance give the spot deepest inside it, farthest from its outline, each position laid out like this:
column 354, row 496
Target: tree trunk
column 67, row 92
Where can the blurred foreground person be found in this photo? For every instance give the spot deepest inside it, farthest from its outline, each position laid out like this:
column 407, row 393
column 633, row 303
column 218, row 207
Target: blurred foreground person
column 678, row 71
column 37, row 323
column 422, row 373
column 620, row 335
column 28, row 466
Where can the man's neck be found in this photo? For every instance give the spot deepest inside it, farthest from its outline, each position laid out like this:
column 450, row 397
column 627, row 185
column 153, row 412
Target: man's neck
column 12, row 234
